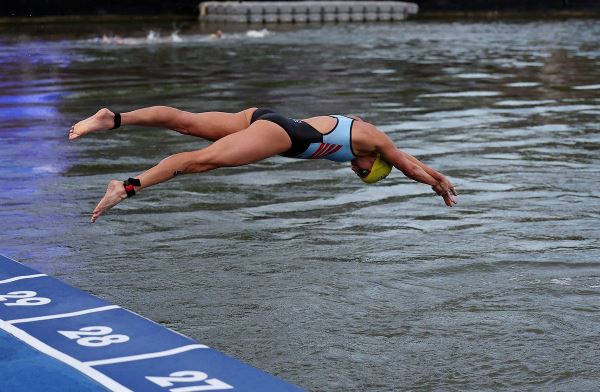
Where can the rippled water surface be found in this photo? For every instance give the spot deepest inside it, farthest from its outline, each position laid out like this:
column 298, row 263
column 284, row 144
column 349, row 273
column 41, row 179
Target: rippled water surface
column 295, row 266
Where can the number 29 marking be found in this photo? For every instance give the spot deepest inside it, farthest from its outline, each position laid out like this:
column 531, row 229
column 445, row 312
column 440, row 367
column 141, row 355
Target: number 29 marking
column 212, row 384
column 24, row 298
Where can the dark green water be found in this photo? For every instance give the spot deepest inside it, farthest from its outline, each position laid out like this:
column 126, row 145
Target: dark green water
column 295, row 266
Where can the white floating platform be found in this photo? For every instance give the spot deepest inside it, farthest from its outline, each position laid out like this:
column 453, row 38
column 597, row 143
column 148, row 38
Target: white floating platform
column 56, row 338
column 306, row 11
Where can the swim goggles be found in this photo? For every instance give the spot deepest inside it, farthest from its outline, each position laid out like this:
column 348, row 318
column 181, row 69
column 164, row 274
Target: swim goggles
column 362, row 173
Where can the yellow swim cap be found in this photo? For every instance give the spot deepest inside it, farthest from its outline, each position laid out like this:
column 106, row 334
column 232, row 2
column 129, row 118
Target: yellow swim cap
column 379, row 171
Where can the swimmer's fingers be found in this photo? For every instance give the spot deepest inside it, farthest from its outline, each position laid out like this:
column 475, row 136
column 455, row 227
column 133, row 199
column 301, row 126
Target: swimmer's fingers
column 448, row 186
column 453, row 199
column 438, row 190
column 449, row 199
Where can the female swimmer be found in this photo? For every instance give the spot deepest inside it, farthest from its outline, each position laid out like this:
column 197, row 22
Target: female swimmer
column 255, row 134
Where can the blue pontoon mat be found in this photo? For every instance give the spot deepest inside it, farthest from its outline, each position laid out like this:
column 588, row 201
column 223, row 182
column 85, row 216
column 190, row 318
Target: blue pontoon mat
column 54, row 337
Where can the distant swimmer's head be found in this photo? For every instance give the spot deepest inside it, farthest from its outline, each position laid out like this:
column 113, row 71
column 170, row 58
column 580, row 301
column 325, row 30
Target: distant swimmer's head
column 217, row 34
column 371, row 169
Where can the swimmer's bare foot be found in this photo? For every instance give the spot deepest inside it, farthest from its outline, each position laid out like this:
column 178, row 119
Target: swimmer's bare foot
column 115, row 193
column 103, row 120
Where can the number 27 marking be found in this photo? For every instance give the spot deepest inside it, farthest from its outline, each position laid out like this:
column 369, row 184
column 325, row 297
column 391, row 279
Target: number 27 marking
column 212, row 384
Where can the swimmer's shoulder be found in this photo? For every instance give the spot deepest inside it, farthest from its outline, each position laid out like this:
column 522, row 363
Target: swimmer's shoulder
column 367, row 138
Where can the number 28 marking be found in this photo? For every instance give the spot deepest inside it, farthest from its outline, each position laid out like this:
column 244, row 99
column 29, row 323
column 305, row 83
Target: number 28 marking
column 95, row 336
column 24, row 298
column 212, row 384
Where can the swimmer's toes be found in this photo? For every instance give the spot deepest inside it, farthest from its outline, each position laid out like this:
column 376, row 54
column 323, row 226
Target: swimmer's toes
column 73, row 135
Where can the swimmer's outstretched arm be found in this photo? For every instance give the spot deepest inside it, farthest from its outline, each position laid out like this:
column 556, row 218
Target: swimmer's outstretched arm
column 417, row 170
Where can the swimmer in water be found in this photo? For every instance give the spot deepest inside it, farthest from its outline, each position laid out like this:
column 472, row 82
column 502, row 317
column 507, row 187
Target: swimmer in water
column 255, row 134
column 217, row 34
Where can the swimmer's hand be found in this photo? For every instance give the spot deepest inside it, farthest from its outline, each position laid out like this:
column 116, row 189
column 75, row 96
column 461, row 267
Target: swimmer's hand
column 115, row 193
column 446, row 189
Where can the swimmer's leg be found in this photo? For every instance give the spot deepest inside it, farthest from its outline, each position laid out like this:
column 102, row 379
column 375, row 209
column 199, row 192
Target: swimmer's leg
column 210, row 125
column 261, row 140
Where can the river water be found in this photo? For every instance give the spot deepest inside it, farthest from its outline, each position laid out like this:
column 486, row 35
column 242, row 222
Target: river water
column 295, row 266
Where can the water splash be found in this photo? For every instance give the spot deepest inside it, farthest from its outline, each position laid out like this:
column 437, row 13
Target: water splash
column 155, row 38
column 152, row 37
column 257, row 33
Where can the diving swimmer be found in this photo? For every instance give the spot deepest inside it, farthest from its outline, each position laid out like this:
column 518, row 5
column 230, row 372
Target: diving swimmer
column 255, row 134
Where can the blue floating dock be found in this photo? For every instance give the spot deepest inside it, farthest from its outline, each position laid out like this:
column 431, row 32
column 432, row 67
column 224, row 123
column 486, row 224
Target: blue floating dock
column 54, row 337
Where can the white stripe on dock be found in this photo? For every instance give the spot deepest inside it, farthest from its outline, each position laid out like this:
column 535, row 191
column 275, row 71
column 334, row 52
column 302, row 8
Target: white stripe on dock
column 63, row 315
column 158, row 354
column 22, row 277
column 81, row 366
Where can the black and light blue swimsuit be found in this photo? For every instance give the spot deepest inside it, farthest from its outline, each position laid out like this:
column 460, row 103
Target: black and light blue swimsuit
column 308, row 143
